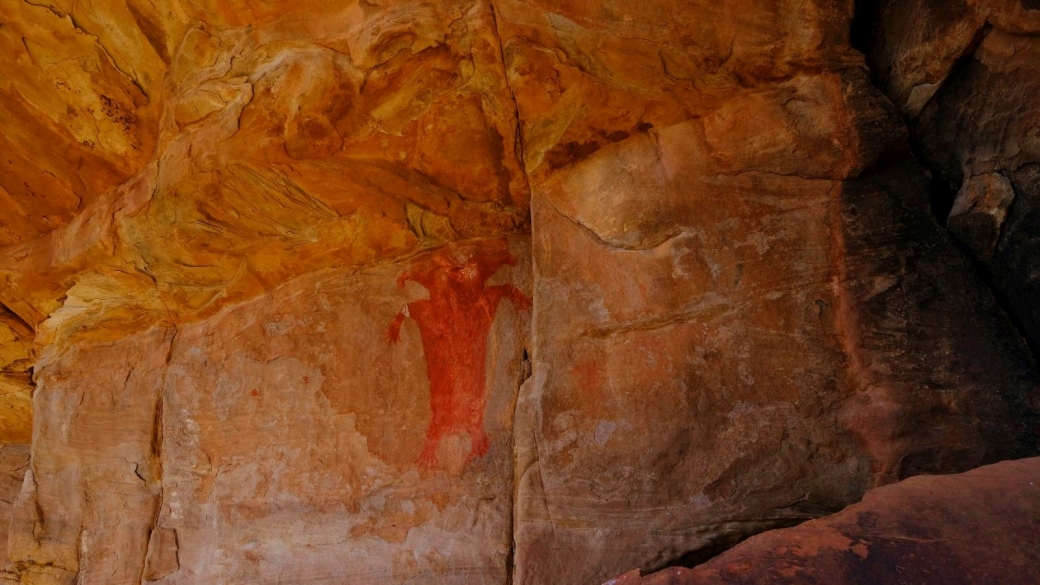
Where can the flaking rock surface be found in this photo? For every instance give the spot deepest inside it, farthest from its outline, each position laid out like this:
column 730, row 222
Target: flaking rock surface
column 459, row 291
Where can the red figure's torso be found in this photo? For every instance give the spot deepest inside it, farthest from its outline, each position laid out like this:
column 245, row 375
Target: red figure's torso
column 454, row 323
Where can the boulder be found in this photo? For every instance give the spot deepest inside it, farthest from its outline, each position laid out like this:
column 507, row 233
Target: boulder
column 976, row 527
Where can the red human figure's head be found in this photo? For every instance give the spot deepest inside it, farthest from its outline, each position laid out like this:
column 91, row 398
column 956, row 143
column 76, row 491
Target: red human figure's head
column 472, row 263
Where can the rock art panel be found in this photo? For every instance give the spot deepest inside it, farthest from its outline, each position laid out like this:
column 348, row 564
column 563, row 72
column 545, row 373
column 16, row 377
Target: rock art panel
column 454, row 323
column 268, row 273
column 348, row 134
column 282, row 439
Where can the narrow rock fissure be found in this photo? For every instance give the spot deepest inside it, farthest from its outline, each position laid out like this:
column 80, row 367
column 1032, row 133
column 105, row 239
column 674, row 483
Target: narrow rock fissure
column 528, row 359
column 864, row 21
column 157, row 453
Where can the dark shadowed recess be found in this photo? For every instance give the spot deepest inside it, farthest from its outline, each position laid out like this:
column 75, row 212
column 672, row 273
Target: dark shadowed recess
column 863, row 24
column 718, row 545
column 863, row 37
column 937, row 338
column 945, row 182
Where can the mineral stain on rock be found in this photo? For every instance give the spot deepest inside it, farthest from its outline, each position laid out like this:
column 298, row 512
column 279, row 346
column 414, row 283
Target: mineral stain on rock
column 454, row 323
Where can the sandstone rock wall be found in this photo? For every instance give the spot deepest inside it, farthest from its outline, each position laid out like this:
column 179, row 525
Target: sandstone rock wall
column 729, row 309
column 289, row 438
column 460, row 291
column 974, row 116
column 14, row 462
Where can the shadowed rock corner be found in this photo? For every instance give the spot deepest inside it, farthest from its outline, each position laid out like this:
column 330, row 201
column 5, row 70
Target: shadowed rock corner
column 982, row 526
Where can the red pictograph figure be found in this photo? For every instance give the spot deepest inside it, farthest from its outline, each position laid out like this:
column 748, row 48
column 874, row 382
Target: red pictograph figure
column 454, row 323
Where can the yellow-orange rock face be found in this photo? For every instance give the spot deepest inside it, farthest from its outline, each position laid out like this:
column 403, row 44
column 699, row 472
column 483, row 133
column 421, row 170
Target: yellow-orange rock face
column 466, row 291
column 163, row 161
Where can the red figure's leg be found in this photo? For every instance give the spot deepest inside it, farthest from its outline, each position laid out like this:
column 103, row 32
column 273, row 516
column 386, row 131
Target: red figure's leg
column 428, row 457
column 441, row 411
column 508, row 291
column 472, row 415
column 393, row 335
column 478, row 442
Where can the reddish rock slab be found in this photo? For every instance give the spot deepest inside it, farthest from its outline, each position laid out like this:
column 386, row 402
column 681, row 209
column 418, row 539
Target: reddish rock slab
column 745, row 315
column 977, row 527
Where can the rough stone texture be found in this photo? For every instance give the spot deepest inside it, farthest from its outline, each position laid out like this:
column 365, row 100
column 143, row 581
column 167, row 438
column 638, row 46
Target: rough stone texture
column 16, row 359
column 1003, row 77
column 979, row 212
column 977, row 125
column 270, row 273
column 14, row 461
column 79, row 100
column 978, row 527
column 282, row 441
column 732, row 287
column 356, row 135
column 915, row 45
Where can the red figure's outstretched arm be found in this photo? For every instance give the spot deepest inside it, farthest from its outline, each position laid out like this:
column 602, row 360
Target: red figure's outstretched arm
column 393, row 335
column 508, row 291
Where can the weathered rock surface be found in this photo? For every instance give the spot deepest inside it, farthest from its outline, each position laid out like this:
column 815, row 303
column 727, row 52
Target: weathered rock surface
column 915, row 45
column 977, row 527
column 16, row 360
column 289, row 439
column 278, row 275
column 207, row 154
column 283, row 148
column 14, row 462
column 732, row 287
column 974, row 120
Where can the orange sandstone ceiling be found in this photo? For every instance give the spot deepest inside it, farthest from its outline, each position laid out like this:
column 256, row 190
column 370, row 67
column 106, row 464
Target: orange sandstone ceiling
column 161, row 160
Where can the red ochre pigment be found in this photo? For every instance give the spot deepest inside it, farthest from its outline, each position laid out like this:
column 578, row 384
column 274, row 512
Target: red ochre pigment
column 454, row 324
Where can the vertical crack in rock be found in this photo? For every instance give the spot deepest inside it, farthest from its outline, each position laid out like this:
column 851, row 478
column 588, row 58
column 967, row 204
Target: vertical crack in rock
column 149, row 569
column 528, row 362
column 519, row 138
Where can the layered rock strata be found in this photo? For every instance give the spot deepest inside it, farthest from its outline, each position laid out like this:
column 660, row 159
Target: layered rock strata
column 470, row 292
